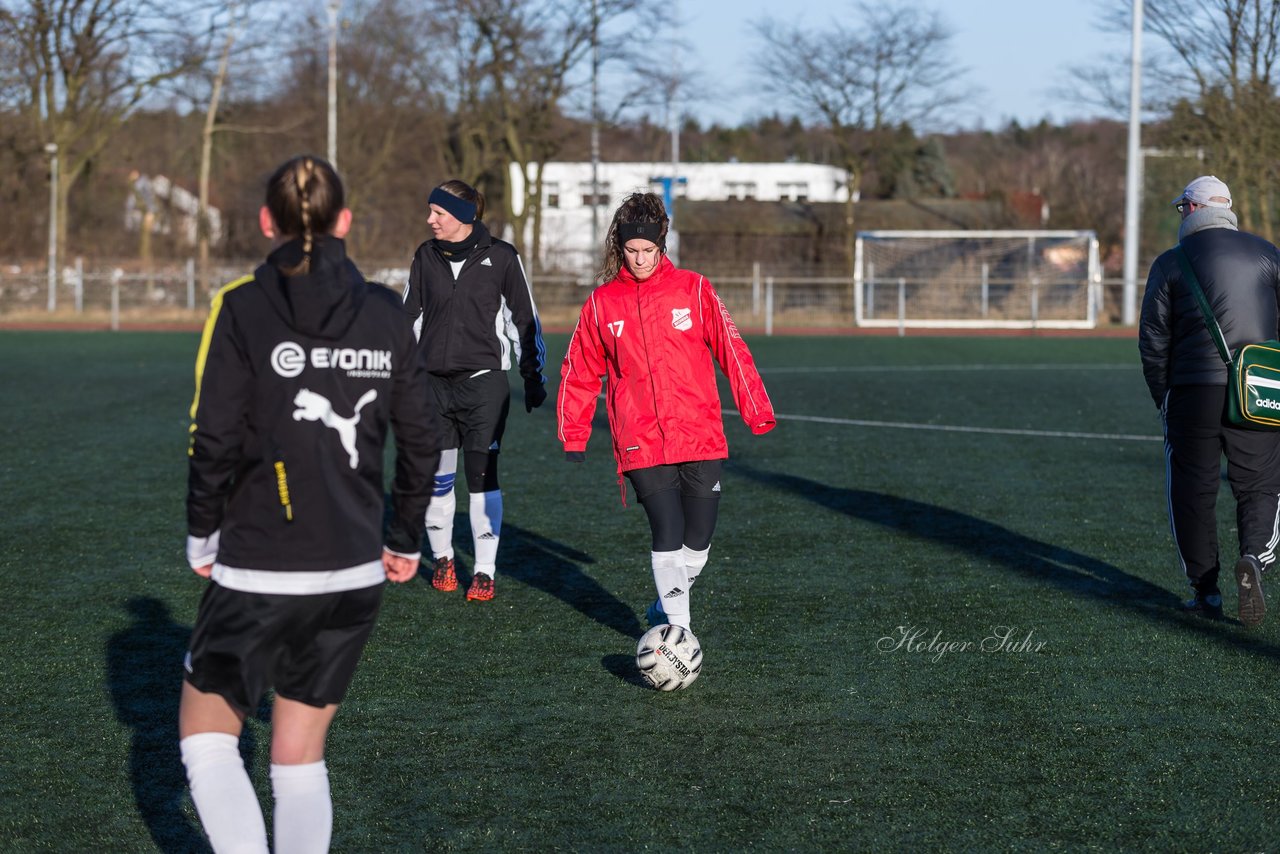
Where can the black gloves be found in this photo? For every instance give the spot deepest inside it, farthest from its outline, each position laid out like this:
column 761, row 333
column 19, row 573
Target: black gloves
column 534, row 394
column 575, row 456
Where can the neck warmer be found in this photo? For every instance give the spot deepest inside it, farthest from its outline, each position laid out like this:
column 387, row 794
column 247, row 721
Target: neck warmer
column 1207, row 218
column 460, row 250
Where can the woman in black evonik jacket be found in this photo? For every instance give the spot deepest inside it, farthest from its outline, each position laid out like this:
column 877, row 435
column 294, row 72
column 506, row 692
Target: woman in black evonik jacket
column 301, row 369
column 474, row 310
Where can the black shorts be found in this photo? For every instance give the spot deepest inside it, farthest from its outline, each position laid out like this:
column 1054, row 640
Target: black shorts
column 305, row 647
column 697, row 479
column 474, row 409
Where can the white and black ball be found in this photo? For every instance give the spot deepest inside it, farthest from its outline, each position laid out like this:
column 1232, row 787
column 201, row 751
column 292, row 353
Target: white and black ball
column 669, row 657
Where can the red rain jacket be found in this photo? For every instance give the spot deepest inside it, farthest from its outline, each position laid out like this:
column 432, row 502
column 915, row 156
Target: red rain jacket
column 654, row 340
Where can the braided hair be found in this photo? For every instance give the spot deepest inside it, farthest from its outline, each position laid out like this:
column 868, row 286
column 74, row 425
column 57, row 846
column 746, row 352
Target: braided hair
column 304, row 197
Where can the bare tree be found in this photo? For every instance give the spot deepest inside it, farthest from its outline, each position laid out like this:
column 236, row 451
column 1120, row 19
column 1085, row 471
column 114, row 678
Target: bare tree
column 457, row 77
column 1229, row 51
column 1211, row 71
column 515, row 62
column 391, row 115
column 206, row 144
column 83, row 66
column 884, row 66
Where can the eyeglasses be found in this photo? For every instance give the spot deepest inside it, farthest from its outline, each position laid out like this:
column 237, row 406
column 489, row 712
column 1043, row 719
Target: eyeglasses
column 1181, row 207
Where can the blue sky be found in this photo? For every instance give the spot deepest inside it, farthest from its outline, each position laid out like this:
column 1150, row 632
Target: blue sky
column 1016, row 51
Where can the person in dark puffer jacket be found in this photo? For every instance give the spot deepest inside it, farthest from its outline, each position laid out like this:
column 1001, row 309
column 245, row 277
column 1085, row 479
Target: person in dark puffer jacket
column 1240, row 276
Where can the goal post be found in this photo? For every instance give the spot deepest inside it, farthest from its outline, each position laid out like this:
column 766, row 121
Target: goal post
column 1015, row 279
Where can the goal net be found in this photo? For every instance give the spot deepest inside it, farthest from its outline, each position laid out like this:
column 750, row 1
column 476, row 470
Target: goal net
column 977, row 279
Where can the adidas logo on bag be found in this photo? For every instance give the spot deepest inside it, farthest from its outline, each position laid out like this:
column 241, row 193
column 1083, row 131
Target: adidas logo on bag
column 1256, row 386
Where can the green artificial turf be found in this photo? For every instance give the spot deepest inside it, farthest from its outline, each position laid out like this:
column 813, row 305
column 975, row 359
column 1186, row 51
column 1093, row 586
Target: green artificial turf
column 964, row 637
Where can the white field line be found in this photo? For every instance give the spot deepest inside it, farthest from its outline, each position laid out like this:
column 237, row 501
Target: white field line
column 873, row 369
column 954, row 428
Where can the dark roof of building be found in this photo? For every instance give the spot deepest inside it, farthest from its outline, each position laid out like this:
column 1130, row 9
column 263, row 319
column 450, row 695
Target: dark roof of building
column 781, row 218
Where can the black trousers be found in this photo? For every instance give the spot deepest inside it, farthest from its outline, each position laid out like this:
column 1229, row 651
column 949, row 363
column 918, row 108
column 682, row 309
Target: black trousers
column 1196, row 436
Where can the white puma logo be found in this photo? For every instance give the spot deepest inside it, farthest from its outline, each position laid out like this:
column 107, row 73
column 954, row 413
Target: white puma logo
column 315, row 407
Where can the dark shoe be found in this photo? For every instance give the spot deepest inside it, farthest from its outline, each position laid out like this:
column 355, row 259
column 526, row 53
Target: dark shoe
column 1249, row 587
column 655, row 615
column 444, row 577
column 1208, row 606
column 481, row 588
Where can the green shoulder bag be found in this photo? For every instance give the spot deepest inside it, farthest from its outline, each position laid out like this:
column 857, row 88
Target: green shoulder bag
column 1253, row 376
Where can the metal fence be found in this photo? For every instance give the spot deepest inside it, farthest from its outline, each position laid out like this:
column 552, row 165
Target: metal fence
column 121, row 295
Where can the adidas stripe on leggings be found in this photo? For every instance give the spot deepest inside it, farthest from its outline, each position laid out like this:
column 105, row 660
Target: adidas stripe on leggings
column 1196, row 437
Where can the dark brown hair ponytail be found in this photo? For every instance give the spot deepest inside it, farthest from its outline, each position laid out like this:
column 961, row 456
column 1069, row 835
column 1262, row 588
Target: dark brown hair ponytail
column 637, row 207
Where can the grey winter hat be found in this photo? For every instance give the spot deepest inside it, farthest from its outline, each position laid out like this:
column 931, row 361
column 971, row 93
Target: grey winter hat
column 1206, row 190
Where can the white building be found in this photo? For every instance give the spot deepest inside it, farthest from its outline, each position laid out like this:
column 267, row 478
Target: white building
column 570, row 240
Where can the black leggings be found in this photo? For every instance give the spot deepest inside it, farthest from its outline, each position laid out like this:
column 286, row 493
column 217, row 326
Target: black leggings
column 481, row 469
column 681, row 501
column 680, row 520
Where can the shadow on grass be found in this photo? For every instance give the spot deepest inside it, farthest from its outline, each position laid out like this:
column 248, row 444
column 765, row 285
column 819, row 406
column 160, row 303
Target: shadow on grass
column 1076, row 573
column 624, row 667
column 144, row 669
column 543, row 564
column 144, row 673
column 1070, row 570
column 552, row 567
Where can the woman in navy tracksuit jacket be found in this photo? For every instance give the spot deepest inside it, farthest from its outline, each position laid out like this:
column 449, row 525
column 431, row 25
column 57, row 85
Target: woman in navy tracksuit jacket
column 474, row 310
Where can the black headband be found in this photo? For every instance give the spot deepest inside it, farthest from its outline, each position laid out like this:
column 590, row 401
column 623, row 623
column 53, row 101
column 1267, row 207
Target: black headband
column 461, row 209
column 651, row 231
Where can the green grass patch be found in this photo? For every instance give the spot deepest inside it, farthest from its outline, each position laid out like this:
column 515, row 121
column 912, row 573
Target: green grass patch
column 940, row 613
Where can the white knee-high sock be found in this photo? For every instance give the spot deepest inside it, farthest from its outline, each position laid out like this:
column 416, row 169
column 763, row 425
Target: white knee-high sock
column 440, row 523
column 672, row 582
column 694, row 561
column 444, row 504
column 486, row 529
column 303, row 817
column 223, row 795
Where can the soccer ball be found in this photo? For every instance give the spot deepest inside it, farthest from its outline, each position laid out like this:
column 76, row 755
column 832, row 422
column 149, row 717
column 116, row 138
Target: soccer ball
column 669, row 657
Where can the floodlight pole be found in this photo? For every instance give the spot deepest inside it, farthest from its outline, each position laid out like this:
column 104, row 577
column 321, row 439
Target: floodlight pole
column 1133, row 179
column 673, row 115
column 52, row 150
column 673, row 237
column 333, row 82
column 595, row 125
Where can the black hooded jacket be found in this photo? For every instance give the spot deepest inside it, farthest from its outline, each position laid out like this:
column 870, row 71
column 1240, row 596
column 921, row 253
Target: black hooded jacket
column 297, row 379
column 1240, row 276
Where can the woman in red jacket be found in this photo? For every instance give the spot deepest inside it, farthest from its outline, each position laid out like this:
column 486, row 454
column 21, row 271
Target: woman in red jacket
column 653, row 330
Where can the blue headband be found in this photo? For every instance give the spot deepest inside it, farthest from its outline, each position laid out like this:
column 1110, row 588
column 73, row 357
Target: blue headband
column 461, row 209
